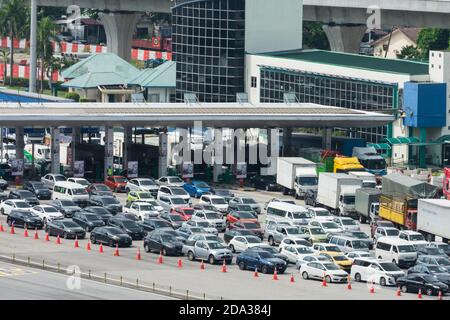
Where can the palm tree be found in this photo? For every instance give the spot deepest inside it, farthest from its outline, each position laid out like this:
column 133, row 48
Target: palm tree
column 4, row 54
column 13, row 22
column 46, row 32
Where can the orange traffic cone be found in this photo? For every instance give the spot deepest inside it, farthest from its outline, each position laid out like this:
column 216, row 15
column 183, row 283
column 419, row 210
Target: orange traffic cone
column 116, row 252
column 372, row 288
column 1, row 228
column 202, row 266
column 12, row 229
column 47, row 237
column 419, row 295
column 58, row 240
column 275, row 276
column 224, row 267
column 76, row 245
column 324, row 281
column 36, row 235
column 440, row 295
column 25, row 233
column 138, row 254
column 349, row 284
column 100, row 249
column 160, row 258
column 88, row 246
column 292, row 278
column 255, row 274
column 399, row 292
column 180, row 263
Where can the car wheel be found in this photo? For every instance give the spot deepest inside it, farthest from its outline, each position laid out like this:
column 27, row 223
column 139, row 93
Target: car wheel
column 242, row 265
column 190, row 256
column 93, row 240
column 211, row 259
column 382, row 282
column 265, row 270
column 271, row 241
column 146, row 248
column 357, row 277
column 232, row 248
column 429, row 292
column 404, row 288
column 305, row 275
column 328, row 279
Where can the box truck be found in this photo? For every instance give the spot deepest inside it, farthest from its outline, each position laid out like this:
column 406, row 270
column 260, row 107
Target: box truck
column 433, row 218
column 367, row 203
column 371, row 160
column 369, row 180
column 336, row 191
column 296, row 175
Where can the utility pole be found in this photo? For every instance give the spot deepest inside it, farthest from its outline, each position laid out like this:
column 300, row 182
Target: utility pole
column 33, row 47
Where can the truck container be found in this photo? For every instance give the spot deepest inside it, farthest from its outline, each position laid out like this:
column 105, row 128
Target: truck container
column 336, row 191
column 369, row 180
column 367, row 203
column 371, row 160
column 433, row 218
column 347, row 164
column 397, row 184
column 296, row 175
column 400, row 210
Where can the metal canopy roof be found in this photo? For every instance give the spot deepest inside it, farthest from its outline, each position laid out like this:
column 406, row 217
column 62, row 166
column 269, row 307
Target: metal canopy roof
column 227, row 115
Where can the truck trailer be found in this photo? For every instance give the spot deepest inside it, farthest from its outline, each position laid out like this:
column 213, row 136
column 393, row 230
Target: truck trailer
column 296, row 175
column 367, row 203
column 433, row 218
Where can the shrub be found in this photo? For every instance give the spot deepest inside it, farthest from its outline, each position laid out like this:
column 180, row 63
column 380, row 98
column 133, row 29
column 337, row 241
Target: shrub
column 73, row 96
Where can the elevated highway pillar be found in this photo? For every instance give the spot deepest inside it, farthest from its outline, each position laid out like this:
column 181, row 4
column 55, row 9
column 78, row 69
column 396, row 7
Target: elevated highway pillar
column 287, row 142
column 345, row 38
column 109, row 150
column 326, row 138
column 55, row 150
column 76, row 139
column 20, row 143
column 119, row 29
column 127, row 141
column 162, row 161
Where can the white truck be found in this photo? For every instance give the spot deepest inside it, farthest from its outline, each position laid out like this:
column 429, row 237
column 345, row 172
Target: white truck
column 433, row 218
column 369, row 180
column 336, row 191
column 296, row 175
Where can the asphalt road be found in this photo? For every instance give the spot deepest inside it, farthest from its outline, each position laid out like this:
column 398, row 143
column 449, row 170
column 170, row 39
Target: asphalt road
column 22, row 283
column 234, row 284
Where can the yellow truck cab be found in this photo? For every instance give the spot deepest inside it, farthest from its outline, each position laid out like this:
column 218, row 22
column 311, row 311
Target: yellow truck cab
column 346, row 164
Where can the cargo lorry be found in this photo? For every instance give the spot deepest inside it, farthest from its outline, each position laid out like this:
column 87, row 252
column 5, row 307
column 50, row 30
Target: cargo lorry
column 371, row 160
column 336, row 192
column 367, row 203
column 368, row 179
column 433, row 219
column 347, row 164
column 296, row 175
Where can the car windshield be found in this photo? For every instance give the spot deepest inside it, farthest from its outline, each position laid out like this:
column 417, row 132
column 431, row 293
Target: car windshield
column 317, row 231
column 25, row 193
column 253, row 240
column 120, row 179
column 129, row 224
column 114, row 231
column 429, row 278
column 293, row 231
column 433, row 251
column 174, row 180
column 203, row 224
column 146, row 207
column 330, row 225
column 406, row 248
column 330, row 266
column 360, row 235
column 178, row 191
column 443, row 261
column 308, row 181
column 168, row 238
column 91, row 217
column 145, row 195
column 102, row 187
column 154, row 203
column 68, row 203
column 303, row 242
column 197, row 230
column 178, row 201
column 246, row 215
column 304, row 250
column 70, row 224
column 443, row 246
column 49, row 209
column 389, row 266
column 301, row 215
column 201, row 185
column 22, row 205
column 416, row 237
column 392, row 232
column 83, row 182
column 349, row 222
column 39, row 185
column 147, row 183
column 349, row 199
column 216, row 245
column 265, row 255
column 218, row 201
column 27, row 214
column 211, row 215
column 437, row 269
column 161, row 223
column 100, row 210
column 322, row 213
column 340, row 258
column 79, row 191
column 358, row 244
column 110, row 201
column 60, row 178
column 248, row 201
column 176, row 217
column 251, row 225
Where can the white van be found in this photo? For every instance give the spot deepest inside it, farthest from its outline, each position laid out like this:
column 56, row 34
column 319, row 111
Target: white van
column 287, row 212
column 396, row 250
column 75, row 192
column 383, row 272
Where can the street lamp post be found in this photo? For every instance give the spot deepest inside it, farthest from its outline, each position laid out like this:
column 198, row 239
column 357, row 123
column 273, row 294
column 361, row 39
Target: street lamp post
column 33, row 47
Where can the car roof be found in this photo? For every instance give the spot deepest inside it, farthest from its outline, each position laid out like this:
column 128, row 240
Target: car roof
column 410, row 232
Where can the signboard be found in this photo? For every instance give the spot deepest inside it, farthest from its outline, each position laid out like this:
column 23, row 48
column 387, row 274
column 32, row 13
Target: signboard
column 78, row 169
column 241, row 170
column 187, row 169
column 132, row 171
column 17, row 167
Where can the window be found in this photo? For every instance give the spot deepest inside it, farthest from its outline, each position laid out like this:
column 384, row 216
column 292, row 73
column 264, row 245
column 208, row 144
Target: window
column 254, row 82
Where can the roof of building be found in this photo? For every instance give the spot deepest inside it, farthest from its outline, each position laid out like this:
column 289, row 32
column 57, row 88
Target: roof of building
column 98, row 69
column 411, row 33
column 163, row 76
column 354, row 61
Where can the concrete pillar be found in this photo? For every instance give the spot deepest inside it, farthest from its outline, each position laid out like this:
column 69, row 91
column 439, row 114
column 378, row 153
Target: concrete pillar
column 55, row 154
column 33, row 46
column 76, row 139
column 326, row 138
column 20, row 143
column 127, row 141
column 109, row 149
column 422, row 149
column 119, row 29
column 162, row 161
column 218, row 154
column 287, row 137
column 345, row 38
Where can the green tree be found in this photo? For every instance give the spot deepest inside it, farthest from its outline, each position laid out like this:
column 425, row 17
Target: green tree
column 4, row 54
column 314, row 37
column 432, row 39
column 46, row 32
column 14, row 22
column 410, row 53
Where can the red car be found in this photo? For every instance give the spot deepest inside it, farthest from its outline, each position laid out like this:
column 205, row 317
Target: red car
column 185, row 212
column 116, row 183
column 240, row 216
column 254, row 227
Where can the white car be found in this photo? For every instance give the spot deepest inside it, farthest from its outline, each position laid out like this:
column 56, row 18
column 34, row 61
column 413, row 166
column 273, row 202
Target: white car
column 242, row 243
column 382, row 272
column 413, row 237
column 328, row 248
column 248, row 201
column 307, row 258
column 170, row 202
column 142, row 210
column 327, row 226
column 81, row 181
column 352, row 255
column 142, row 184
column 216, row 201
column 205, row 225
column 12, row 204
column 170, row 181
column 347, row 223
column 50, row 179
column 385, row 232
column 295, row 252
column 289, row 241
column 155, row 203
column 212, row 217
column 285, row 200
column 47, row 213
column 174, row 191
column 320, row 214
column 320, row 270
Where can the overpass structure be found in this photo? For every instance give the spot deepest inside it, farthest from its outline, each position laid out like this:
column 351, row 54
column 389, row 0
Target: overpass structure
column 129, row 115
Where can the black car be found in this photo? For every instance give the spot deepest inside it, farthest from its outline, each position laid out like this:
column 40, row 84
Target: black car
column 65, row 228
column 428, row 284
column 272, row 250
column 108, row 202
column 25, row 195
column 101, row 212
column 3, row 184
column 87, row 220
column 261, row 260
column 99, row 189
column 66, row 207
column 310, row 197
column 173, row 218
column 24, row 219
column 130, row 227
column 439, row 272
column 163, row 242
column 110, row 236
column 39, row 189
column 230, row 234
column 151, row 224
column 268, row 183
column 224, row 193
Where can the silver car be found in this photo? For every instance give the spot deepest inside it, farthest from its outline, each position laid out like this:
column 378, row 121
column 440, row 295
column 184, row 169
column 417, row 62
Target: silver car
column 50, row 179
column 210, row 251
column 249, row 201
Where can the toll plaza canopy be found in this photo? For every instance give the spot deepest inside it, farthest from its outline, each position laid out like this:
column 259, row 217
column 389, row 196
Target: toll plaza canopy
column 397, row 184
column 226, row 115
